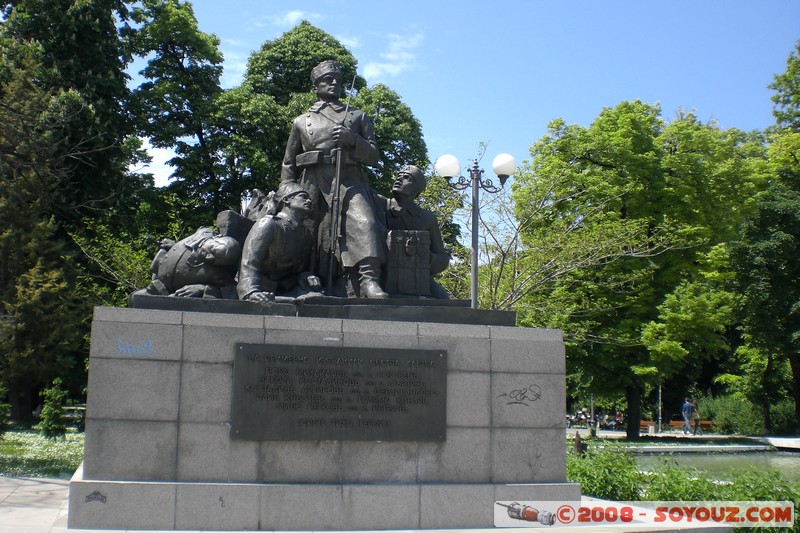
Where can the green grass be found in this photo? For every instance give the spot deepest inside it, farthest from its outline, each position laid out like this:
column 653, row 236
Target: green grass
column 28, row 454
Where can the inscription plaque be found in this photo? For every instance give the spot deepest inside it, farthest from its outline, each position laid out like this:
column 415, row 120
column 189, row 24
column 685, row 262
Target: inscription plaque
column 289, row 392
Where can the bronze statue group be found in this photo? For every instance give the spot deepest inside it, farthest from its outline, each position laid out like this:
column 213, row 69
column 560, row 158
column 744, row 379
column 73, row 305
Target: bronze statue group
column 324, row 232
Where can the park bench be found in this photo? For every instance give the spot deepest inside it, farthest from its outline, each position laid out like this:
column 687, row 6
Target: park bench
column 645, row 425
column 76, row 416
column 705, row 425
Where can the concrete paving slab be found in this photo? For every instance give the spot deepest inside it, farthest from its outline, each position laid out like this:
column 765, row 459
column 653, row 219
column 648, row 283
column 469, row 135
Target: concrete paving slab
column 8, row 485
column 40, row 506
column 32, row 505
column 783, row 443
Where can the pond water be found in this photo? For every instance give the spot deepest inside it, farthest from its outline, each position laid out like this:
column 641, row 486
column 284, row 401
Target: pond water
column 720, row 465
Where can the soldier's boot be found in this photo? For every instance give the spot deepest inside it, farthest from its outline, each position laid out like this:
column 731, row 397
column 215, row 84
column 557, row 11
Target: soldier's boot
column 369, row 276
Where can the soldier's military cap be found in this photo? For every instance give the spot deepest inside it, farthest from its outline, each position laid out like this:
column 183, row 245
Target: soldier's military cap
column 328, row 66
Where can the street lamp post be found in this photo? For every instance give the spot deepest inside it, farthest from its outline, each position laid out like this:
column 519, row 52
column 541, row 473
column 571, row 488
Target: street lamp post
column 448, row 167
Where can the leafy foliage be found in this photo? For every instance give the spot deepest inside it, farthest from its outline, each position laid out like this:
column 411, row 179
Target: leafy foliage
column 733, row 414
column 765, row 260
column 601, row 469
column 695, row 320
column 42, row 315
column 175, row 104
column 398, row 133
column 80, row 60
column 612, row 222
column 609, row 472
column 52, row 422
column 281, row 68
column 787, row 93
column 251, row 132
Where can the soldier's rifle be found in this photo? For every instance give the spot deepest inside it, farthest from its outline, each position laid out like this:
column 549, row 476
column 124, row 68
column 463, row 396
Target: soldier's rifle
column 335, row 200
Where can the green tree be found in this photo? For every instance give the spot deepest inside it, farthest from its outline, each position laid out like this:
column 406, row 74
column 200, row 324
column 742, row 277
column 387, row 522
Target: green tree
column 63, row 160
column 52, row 421
column 41, row 332
column 755, row 385
column 697, row 324
column 397, row 130
column 80, row 55
column 765, row 260
column 786, row 99
column 42, row 316
column 252, row 131
column 281, row 67
column 175, row 105
column 617, row 216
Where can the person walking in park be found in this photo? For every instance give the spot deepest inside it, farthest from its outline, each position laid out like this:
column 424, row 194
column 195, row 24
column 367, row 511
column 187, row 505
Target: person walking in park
column 687, row 409
column 696, row 418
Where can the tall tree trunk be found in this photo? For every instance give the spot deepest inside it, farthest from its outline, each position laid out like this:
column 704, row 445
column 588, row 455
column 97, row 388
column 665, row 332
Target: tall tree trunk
column 633, row 393
column 765, row 400
column 22, row 397
column 794, row 363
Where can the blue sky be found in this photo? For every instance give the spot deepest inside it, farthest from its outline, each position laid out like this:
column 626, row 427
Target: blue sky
column 498, row 71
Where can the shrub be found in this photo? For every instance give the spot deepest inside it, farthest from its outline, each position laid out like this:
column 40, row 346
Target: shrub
column 609, row 472
column 763, row 485
column 52, row 421
column 733, row 415
column 783, row 419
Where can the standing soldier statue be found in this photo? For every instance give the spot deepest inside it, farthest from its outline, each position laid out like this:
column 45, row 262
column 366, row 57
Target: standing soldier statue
column 329, row 145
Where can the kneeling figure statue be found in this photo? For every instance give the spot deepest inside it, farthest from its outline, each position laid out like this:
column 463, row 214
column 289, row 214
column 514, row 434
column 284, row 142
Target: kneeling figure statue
column 277, row 252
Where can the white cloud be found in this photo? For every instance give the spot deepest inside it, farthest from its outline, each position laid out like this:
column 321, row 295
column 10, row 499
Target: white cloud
column 233, row 69
column 399, row 56
column 158, row 167
column 349, row 42
column 234, row 42
column 290, row 18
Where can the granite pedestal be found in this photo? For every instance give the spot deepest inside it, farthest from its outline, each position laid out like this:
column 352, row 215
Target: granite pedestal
column 158, row 451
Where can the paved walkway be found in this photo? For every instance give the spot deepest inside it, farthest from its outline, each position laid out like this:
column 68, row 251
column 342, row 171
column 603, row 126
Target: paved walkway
column 783, row 443
column 689, row 443
column 35, row 505
column 29, row 505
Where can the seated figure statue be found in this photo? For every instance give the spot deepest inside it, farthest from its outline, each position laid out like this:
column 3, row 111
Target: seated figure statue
column 277, row 252
column 416, row 248
column 201, row 265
